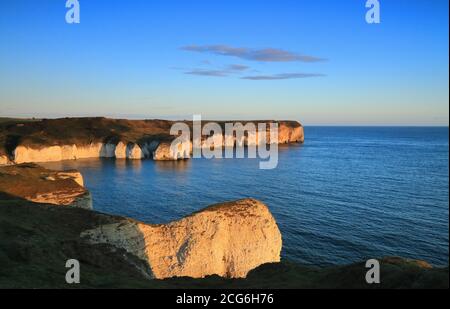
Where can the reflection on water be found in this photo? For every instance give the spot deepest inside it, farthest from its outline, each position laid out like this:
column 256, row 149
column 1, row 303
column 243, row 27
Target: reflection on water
column 123, row 164
column 345, row 195
column 173, row 166
column 97, row 164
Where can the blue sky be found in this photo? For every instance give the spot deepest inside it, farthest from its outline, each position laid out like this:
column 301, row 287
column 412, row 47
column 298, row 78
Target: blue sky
column 315, row 61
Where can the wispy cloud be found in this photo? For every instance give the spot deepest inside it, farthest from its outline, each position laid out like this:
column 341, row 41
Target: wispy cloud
column 228, row 70
column 238, row 67
column 263, row 55
column 211, row 73
column 283, row 76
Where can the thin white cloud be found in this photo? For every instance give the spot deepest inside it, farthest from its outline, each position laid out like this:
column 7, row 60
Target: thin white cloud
column 262, row 55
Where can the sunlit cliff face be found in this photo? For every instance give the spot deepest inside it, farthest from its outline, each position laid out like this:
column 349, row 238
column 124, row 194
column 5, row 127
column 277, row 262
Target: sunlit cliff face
column 227, row 240
column 101, row 137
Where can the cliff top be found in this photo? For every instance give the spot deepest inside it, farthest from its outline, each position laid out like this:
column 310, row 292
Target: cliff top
column 243, row 207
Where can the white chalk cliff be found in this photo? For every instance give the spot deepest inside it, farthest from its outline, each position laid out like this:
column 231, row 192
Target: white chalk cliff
column 82, row 138
column 24, row 154
column 227, row 239
column 286, row 134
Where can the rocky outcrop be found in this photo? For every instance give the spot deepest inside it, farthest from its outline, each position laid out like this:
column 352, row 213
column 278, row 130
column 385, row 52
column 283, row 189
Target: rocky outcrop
column 165, row 151
column 290, row 134
column 66, row 198
column 37, row 184
column 71, row 174
column 227, row 239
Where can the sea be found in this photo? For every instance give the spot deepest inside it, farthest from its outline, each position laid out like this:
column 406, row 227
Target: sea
column 346, row 195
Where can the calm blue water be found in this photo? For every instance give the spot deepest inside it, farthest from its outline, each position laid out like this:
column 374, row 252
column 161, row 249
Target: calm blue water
column 347, row 194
